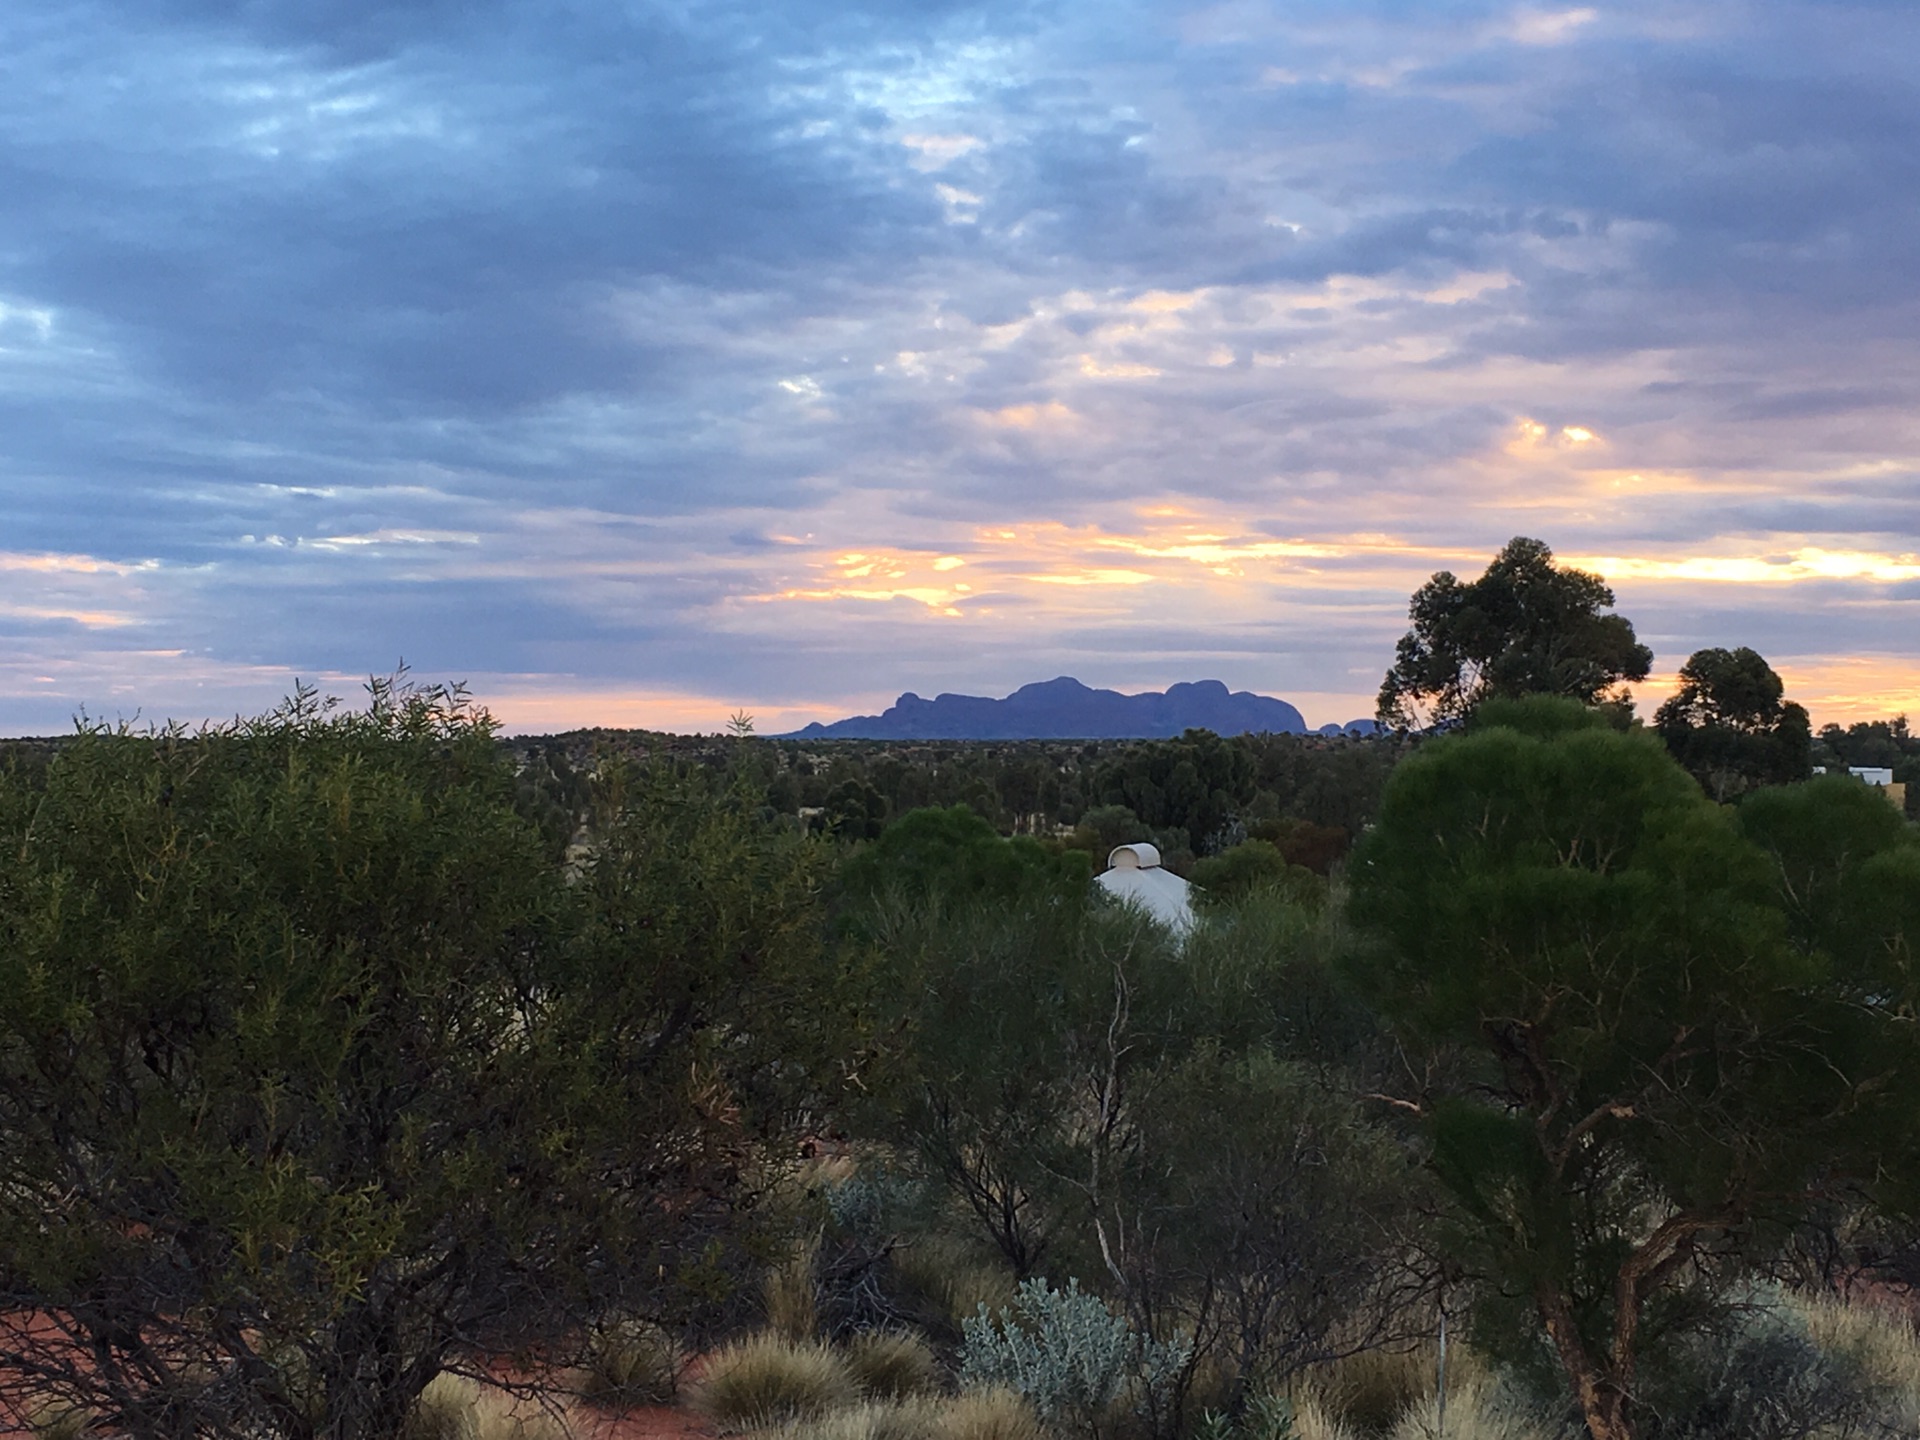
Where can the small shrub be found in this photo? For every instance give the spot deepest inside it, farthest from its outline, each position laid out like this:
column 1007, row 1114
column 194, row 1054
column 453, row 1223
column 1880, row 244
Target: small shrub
column 768, row 1380
column 1069, row 1356
column 1267, row 1417
column 989, row 1414
column 892, row 1366
column 627, row 1363
column 874, row 1201
column 1758, row 1375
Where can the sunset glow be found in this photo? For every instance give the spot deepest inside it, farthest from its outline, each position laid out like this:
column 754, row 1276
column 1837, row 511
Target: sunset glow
column 794, row 359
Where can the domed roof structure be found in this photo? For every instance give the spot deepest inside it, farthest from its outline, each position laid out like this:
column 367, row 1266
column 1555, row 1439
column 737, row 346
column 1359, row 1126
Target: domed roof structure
column 1134, row 874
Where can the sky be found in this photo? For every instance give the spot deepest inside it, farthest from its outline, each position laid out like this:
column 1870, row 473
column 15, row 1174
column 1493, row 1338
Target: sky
column 638, row 363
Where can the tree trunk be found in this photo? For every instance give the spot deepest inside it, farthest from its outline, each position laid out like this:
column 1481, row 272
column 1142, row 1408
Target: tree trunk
column 1603, row 1399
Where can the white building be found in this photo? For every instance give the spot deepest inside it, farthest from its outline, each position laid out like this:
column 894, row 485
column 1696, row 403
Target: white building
column 1134, row 874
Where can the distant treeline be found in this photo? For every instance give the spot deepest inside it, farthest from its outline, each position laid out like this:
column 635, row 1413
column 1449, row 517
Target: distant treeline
column 1193, row 796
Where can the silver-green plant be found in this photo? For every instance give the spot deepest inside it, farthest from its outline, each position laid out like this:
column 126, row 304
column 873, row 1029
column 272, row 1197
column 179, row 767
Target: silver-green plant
column 1070, row 1357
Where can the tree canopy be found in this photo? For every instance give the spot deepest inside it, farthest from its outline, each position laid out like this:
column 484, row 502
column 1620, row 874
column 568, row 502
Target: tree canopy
column 1730, row 725
column 1636, row 1055
column 1525, row 627
column 317, row 1075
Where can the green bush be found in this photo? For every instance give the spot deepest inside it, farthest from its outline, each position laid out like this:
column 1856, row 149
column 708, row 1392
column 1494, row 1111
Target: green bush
column 768, row 1379
column 1250, row 867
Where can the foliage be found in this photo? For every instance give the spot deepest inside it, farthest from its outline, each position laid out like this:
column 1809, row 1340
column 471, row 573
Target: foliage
column 1268, row 1195
column 1888, row 744
column 764, row 1379
column 953, row 856
column 314, row 1069
column 1267, row 1417
column 1646, row 1060
column 1758, row 1375
column 1730, row 726
column 999, row 1010
column 1196, row 785
column 1069, row 1356
column 1251, row 865
column 1524, row 627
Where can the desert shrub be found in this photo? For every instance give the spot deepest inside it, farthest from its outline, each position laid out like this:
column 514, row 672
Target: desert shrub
column 874, row 1201
column 856, row 1286
column 1370, row 1390
column 988, row 1414
column 892, row 1366
column 769, row 1379
column 1069, row 1356
column 629, row 1362
column 1266, row 1417
column 1756, row 1375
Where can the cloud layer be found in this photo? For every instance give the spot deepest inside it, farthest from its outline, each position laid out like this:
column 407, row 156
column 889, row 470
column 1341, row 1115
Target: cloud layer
column 637, row 362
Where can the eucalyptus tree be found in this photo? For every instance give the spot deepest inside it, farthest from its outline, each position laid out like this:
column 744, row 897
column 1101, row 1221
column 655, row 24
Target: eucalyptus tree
column 1525, row 627
column 1640, row 1053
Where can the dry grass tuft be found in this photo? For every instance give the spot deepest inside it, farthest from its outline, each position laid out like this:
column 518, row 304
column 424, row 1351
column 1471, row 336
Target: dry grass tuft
column 453, row 1407
column 1370, row 1390
column 892, row 1366
column 988, row 1415
column 789, row 1295
column 770, row 1380
column 952, row 1277
column 627, row 1363
column 57, row 1420
column 1310, row 1422
column 448, row 1409
column 875, row 1420
column 1478, row 1408
column 1883, row 1344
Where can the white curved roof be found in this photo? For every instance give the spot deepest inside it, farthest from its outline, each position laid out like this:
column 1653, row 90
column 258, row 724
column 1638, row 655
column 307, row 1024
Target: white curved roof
column 1133, row 875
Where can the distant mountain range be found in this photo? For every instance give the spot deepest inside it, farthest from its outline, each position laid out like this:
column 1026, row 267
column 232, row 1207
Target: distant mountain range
column 1064, row 709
